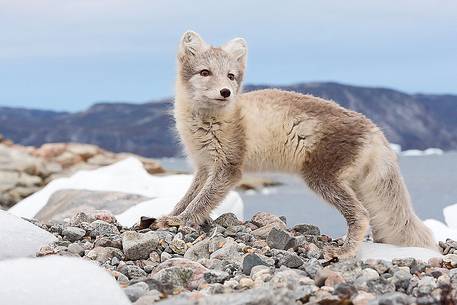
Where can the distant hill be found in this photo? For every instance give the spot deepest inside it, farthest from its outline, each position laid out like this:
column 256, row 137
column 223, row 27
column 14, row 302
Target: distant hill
column 415, row 121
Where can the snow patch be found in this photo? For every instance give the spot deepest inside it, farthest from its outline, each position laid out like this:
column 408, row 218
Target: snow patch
column 388, row 252
column 57, row 280
column 126, row 176
column 20, row 238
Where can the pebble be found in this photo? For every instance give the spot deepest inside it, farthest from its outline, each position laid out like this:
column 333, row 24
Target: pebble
column 450, row 261
column 138, row 245
column 102, row 228
column 227, row 220
column 280, row 239
column 73, row 233
column 250, row 261
column 246, row 282
column 215, row 276
column 76, row 249
column 104, row 254
column 132, row 271
column 306, row 229
column 135, row 291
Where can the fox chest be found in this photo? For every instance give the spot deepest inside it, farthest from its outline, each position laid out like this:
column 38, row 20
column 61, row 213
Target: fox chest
column 209, row 142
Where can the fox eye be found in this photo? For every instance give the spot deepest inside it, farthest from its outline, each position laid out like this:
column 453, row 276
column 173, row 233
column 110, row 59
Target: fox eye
column 231, row 76
column 204, row 72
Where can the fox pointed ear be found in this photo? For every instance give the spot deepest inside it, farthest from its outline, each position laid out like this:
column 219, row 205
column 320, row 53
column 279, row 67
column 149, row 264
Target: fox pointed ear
column 191, row 43
column 238, row 48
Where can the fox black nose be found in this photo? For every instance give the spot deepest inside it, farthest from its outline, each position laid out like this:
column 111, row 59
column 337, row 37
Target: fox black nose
column 225, row 93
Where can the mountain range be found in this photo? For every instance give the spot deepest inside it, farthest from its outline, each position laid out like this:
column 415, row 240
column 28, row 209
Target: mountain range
column 415, row 121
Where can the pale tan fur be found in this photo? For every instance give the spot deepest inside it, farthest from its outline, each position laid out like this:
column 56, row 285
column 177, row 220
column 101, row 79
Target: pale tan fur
column 340, row 154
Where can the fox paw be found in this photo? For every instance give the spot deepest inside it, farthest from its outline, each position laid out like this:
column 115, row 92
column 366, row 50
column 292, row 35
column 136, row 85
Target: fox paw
column 169, row 221
column 331, row 253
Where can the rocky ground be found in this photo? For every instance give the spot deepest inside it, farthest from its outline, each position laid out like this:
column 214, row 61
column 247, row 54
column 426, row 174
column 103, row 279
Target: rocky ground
column 260, row 261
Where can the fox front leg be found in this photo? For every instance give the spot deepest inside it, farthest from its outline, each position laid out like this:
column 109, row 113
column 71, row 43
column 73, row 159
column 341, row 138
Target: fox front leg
column 200, row 177
column 220, row 181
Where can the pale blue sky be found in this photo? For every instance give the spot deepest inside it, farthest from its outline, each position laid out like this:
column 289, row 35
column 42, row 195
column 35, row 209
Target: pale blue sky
column 68, row 54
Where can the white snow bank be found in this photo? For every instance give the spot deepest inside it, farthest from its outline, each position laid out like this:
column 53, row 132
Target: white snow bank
column 450, row 216
column 126, row 176
column 57, row 280
column 388, row 252
column 442, row 231
column 20, row 238
column 427, row 152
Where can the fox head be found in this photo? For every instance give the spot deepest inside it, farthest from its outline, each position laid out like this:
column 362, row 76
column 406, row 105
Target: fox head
column 211, row 76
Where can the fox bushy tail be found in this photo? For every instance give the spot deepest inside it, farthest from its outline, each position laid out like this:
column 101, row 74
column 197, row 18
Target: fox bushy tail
column 386, row 197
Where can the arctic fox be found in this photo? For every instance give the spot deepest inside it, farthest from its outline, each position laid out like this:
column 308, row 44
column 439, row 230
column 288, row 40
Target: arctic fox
column 340, row 154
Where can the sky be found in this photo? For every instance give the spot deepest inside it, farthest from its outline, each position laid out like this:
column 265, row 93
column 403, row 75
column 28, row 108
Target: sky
column 69, row 54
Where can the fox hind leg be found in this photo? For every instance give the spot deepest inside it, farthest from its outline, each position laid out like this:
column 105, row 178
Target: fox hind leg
column 341, row 196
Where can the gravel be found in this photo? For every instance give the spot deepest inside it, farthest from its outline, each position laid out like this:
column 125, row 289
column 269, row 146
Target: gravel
column 229, row 261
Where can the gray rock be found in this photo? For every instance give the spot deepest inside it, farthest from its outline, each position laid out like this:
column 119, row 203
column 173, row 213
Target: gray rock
column 139, row 245
column 114, row 241
column 289, row 259
column 251, row 260
column 104, row 254
column 229, row 252
column 401, row 279
column 215, row 276
column 73, row 233
column 135, row 291
column 76, row 249
column 227, row 220
column 102, row 228
column 262, row 219
column 20, row 238
column 80, row 217
column 179, row 273
column 149, row 298
column 280, row 239
column 132, row 271
column 64, row 203
column 198, row 251
column 450, row 260
column 165, row 256
column 306, row 229
column 366, row 275
column 393, row 298
column 312, row 267
column 380, row 286
column 178, row 245
column 313, row 251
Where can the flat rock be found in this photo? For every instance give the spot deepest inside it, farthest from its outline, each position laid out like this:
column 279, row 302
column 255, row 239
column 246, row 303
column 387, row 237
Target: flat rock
column 58, row 280
column 20, row 238
column 103, row 228
column 64, row 203
column 139, row 245
column 280, row 239
column 227, row 220
column 180, row 273
column 250, row 261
